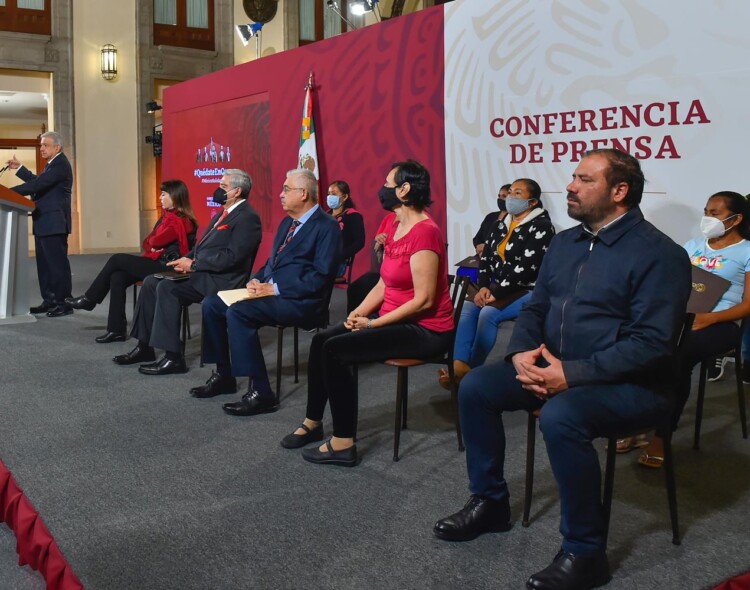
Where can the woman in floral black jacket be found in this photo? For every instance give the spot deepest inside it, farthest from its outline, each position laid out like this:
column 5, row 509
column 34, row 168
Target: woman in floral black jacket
column 507, row 272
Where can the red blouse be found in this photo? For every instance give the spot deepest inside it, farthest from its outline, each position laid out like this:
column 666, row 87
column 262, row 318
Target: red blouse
column 399, row 284
column 170, row 229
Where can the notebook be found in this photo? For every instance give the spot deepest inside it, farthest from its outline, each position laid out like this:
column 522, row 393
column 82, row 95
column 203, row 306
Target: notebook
column 707, row 290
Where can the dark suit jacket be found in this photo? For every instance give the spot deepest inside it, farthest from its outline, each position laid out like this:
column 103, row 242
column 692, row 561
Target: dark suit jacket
column 306, row 268
column 50, row 192
column 224, row 259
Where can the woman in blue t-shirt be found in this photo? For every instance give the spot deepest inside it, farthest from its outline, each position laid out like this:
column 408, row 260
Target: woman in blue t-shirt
column 723, row 250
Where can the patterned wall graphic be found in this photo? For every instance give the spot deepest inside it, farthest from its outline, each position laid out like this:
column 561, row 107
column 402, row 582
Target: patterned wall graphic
column 530, row 85
column 378, row 99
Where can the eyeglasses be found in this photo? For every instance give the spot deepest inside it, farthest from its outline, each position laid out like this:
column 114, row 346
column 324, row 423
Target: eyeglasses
column 285, row 189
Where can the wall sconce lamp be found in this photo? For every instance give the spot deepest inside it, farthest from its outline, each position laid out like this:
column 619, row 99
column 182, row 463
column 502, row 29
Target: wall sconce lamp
column 247, row 32
column 109, row 62
column 152, row 107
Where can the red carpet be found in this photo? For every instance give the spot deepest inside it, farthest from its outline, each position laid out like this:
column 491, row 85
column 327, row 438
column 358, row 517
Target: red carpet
column 34, row 544
column 741, row 582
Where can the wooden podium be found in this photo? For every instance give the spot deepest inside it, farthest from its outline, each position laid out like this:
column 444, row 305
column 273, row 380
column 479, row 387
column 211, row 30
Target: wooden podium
column 14, row 258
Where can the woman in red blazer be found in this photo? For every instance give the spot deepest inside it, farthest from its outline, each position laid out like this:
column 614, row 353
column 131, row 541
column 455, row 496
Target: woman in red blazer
column 172, row 237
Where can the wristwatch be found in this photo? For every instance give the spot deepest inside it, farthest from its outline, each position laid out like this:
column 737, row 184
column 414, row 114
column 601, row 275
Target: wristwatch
column 369, row 323
column 192, row 266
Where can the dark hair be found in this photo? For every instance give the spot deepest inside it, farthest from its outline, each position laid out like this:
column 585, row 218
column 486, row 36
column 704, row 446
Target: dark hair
column 738, row 205
column 622, row 168
column 505, row 186
column 418, row 178
column 178, row 191
column 534, row 190
column 343, row 187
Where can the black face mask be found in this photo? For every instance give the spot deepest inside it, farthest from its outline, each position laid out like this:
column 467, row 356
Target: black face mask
column 501, row 204
column 388, row 199
column 220, row 196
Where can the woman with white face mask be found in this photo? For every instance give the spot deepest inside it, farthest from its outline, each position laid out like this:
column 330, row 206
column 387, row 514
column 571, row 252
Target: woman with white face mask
column 508, row 268
column 723, row 250
column 352, row 225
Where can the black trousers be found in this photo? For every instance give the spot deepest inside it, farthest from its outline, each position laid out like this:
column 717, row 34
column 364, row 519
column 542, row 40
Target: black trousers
column 120, row 272
column 158, row 311
column 53, row 268
column 334, row 351
column 712, row 341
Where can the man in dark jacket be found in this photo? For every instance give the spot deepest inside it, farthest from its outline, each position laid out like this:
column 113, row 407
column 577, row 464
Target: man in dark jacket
column 292, row 288
column 50, row 192
column 589, row 349
column 221, row 259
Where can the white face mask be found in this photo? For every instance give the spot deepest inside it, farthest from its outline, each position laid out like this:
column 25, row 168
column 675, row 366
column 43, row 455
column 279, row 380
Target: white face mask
column 713, row 227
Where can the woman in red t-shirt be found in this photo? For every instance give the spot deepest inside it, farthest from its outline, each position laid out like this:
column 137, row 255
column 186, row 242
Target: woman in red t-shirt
column 172, row 237
column 407, row 314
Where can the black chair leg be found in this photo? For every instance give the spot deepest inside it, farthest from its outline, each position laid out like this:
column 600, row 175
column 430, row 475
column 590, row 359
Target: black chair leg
column 279, row 348
column 203, row 331
column 671, row 487
column 355, row 375
column 740, row 391
column 135, row 296
column 530, row 447
column 699, row 405
column 609, row 484
column 402, row 372
column 405, row 399
column 296, row 355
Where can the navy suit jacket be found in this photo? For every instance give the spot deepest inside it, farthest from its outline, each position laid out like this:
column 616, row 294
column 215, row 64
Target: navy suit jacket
column 224, row 259
column 306, row 268
column 50, row 192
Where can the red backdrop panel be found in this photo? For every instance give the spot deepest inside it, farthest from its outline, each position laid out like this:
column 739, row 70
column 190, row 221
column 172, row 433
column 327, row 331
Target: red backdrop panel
column 378, row 99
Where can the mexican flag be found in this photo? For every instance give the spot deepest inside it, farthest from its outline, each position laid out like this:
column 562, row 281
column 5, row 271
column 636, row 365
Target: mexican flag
column 308, row 152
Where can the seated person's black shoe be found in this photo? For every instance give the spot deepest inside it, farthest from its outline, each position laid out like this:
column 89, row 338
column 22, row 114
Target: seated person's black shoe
column 343, row 458
column 478, row 516
column 251, row 404
column 164, row 366
column 572, row 572
column 216, row 385
column 140, row 354
column 43, row 308
column 295, row 441
column 81, row 302
column 111, row 337
column 59, row 311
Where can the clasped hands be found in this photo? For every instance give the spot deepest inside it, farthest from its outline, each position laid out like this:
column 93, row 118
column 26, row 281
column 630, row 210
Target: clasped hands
column 355, row 321
column 543, row 382
column 182, row 265
column 257, row 289
column 483, row 297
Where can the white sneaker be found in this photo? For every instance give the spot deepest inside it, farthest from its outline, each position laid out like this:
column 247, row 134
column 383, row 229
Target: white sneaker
column 716, row 371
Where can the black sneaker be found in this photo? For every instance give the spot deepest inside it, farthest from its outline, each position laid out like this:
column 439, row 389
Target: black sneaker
column 716, row 371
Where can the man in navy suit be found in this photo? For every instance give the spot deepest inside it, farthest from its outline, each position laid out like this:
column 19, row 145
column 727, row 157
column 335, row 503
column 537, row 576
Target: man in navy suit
column 50, row 192
column 291, row 289
column 222, row 259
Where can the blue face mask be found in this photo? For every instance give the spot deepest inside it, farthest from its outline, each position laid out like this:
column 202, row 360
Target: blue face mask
column 516, row 206
column 334, row 201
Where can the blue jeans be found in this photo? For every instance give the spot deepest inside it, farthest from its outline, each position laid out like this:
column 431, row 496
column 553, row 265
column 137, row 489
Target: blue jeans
column 477, row 330
column 569, row 421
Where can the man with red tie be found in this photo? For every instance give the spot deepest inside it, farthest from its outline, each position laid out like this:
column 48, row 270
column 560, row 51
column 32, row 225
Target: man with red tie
column 50, row 192
column 222, row 259
column 291, row 289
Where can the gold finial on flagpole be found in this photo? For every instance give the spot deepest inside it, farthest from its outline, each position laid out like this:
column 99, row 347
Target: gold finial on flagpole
column 310, row 80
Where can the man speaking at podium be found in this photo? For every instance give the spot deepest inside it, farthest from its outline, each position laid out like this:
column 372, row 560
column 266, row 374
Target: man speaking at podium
column 50, row 192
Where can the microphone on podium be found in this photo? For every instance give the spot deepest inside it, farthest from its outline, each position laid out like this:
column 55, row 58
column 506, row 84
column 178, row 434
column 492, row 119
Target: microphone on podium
column 4, row 168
